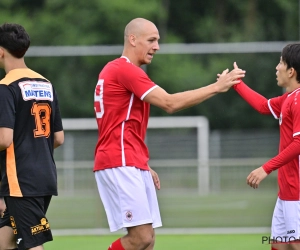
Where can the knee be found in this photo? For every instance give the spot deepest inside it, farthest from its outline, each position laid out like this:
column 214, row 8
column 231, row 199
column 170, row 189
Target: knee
column 140, row 242
column 7, row 245
column 139, row 238
column 7, row 239
column 146, row 241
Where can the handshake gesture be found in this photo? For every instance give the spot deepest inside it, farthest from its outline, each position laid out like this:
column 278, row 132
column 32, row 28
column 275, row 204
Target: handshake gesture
column 227, row 79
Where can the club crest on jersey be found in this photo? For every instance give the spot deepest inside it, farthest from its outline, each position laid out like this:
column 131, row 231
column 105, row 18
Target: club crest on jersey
column 129, row 215
column 33, row 90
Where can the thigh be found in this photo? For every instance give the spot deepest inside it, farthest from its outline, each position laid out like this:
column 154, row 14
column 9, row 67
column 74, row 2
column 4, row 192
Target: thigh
column 278, row 224
column 286, row 221
column 28, row 220
column 152, row 198
column 126, row 197
column 7, row 237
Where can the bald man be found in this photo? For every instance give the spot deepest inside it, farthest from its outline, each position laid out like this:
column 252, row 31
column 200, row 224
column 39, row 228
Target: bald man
column 122, row 101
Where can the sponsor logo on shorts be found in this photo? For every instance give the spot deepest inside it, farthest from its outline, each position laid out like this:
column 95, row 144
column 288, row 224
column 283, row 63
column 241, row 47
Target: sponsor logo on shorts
column 13, row 224
column 33, row 90
column 44, row 226
column 129, row 216
column 19, row 240
column 290, row 232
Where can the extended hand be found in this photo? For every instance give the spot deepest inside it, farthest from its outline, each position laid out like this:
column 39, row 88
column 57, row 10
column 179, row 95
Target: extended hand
column 255, row 177
column 226, row 80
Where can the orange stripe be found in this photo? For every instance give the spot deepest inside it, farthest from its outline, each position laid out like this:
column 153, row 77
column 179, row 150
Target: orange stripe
column 11, row 170
column 17, row 74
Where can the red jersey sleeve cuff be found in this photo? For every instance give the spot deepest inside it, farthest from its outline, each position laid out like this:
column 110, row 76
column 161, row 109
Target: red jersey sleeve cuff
column 267, row 170
column 235, row 86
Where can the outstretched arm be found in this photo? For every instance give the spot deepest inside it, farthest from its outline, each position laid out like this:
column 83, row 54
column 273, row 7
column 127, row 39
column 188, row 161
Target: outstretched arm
column 175, row 102
column 256, row 100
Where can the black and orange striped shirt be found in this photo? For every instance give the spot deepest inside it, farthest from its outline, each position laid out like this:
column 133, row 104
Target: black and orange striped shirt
column 29, row 106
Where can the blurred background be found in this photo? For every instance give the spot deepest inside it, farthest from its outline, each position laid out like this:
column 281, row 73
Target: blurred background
column 237, row 140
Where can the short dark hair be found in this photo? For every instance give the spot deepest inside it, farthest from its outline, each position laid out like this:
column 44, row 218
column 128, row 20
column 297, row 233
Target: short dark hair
column 291, row 56
column 14, row 39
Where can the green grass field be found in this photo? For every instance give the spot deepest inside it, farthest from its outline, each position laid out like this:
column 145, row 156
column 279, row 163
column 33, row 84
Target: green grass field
column 239, row 209
column 165, row 242
column 188, row 210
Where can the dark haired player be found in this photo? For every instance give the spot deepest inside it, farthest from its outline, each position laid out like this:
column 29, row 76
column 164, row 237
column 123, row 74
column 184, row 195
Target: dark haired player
column 30, row 129
column 286, row 109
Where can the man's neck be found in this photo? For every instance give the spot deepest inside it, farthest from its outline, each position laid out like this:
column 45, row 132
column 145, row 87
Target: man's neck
column 293, row 86
column 15, row 64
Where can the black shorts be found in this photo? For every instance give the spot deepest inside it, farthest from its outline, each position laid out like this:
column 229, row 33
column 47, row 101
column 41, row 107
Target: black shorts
column 27, row 217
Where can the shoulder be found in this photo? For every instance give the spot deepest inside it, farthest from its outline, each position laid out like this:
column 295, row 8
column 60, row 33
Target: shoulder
column 121, row 67
column 127, row 66
column 18, row 74
column 111, row 66
column 294, row 95
column 292, row 100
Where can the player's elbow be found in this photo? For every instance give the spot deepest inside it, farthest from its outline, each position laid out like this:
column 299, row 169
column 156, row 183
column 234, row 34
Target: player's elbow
column 58, row 143
column 59, row 139
column 159, row 98
column 171, row 110
column 6, row 138
column 173, row 104
column 4, row 144
column 169, row 107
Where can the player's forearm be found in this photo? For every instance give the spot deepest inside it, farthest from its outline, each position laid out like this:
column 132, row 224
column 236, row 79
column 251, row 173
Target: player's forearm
column 288, row 154
column 254, row 99
column 190, row 98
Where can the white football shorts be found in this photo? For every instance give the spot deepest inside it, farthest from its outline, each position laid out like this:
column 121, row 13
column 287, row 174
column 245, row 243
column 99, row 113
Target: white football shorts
column 129, row 197
column 286, row 221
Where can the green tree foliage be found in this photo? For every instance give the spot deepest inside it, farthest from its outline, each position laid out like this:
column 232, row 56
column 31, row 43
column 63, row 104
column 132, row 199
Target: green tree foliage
column 102, row 22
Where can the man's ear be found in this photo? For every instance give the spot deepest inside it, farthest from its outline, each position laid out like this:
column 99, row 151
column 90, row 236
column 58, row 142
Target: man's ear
column 292, row 72
column 132, row 40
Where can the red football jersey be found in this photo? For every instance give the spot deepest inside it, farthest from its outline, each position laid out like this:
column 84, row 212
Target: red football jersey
column 122, row 115
column 286, row 109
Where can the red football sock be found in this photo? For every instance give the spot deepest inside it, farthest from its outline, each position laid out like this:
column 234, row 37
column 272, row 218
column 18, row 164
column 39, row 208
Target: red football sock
column 116, row 245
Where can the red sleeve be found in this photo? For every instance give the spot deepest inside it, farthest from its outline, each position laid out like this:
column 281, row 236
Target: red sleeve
column 135, row 80
column 284, row 157
column 256, row 101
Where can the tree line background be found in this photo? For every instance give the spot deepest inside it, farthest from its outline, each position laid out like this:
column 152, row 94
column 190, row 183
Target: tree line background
column 102, row 22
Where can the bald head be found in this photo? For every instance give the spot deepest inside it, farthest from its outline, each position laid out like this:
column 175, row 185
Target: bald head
column 138, row 27
column 140, row 41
